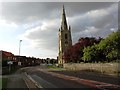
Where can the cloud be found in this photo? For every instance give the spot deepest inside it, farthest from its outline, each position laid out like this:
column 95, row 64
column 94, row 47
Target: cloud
column 24, row 12
column 3, row 23
column 102, row 19
column 43, row 36
column 41, row 21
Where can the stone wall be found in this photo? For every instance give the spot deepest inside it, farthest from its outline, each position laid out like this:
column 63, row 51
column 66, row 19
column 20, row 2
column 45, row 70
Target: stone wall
column 100, row 67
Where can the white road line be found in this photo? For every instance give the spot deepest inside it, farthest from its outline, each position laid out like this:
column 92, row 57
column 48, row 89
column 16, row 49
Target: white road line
column 33, row 81
column 42, row 82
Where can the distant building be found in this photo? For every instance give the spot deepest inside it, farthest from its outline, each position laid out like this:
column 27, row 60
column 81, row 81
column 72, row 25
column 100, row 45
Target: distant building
column 17, row 61
column 27, row 61
column 21, row 59
column 5, row 57
column 65, row 39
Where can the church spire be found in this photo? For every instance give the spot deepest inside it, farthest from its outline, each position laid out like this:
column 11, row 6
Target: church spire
column 65, row 40
column 64, row 21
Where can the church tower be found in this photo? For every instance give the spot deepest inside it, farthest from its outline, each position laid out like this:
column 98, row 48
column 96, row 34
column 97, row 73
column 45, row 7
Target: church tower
column 65, row 40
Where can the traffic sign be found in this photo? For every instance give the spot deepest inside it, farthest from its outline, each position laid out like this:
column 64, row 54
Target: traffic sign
column 19, row 63
column 9, row 62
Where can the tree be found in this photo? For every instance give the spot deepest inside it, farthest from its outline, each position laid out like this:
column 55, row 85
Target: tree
column 111, row 46
column 107, row 50
column 75, row 53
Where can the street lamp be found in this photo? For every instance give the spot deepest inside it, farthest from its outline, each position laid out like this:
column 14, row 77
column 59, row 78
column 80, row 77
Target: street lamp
column 19, row 62
column 19, row 46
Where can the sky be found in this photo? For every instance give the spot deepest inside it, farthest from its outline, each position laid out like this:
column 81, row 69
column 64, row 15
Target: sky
column 37, row 24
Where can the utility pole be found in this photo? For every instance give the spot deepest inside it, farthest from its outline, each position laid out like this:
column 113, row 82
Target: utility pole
column 19, row 62
column 19, row 46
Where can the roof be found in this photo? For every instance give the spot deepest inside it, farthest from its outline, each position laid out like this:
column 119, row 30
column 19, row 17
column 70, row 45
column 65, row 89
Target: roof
column 7, row 53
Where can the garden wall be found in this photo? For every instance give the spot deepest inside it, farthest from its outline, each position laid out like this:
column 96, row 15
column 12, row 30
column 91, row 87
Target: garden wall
column 100, row 67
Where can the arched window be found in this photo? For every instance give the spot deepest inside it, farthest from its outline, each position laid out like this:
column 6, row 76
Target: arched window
column 66, row 36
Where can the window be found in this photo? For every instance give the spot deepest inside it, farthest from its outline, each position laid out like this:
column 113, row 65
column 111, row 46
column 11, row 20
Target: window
column 66, row 36
column 66, row 42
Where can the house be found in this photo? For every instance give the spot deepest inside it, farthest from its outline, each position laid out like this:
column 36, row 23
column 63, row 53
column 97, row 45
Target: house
column 6, row 57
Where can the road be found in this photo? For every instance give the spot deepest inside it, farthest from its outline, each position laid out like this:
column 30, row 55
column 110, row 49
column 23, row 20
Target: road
column 32, row 77
column 54, row 79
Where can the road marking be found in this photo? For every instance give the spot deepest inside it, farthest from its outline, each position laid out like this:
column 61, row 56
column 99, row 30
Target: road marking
column 29, row 82
column 42, row 82
column 92, row 83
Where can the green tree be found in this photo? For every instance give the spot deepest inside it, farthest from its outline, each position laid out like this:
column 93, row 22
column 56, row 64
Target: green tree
column 111, row 46
column 107, row 50
column 91, row 54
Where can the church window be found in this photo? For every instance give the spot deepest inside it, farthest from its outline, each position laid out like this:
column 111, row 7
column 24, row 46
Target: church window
column 66, row 42
column 66, row 36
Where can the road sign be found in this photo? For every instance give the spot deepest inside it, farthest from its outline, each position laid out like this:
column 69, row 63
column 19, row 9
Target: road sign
column 19, row 63
column 9, row 62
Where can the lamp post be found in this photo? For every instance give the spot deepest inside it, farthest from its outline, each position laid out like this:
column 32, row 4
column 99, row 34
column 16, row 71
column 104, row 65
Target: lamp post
column 19, row 46
column 19, row 62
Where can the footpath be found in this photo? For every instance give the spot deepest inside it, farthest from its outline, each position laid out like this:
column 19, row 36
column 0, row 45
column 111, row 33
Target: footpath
column 16, row 80
column 20, row 80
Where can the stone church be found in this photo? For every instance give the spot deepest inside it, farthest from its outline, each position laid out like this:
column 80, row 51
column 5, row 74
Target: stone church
column 65, row 39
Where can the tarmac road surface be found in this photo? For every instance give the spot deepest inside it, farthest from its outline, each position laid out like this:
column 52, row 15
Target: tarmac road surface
column 50, row 79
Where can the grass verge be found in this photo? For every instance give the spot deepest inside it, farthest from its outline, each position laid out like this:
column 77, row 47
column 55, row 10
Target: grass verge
column 53, row 67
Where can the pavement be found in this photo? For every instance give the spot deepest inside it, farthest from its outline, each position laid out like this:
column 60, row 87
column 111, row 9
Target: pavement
column 16, row 81
column 20, row 80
